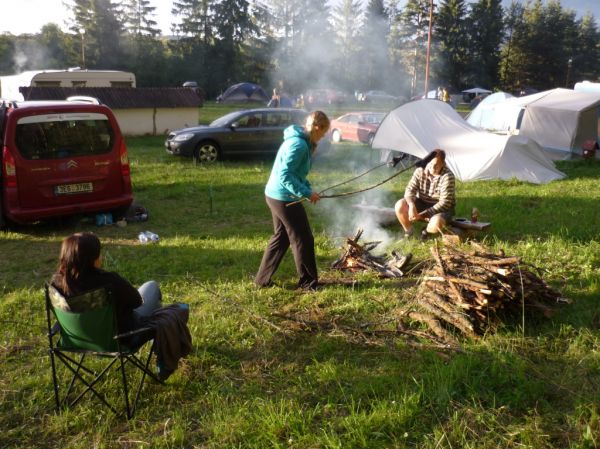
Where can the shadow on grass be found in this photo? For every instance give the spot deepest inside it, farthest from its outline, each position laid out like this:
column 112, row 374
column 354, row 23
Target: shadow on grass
column 385, row 391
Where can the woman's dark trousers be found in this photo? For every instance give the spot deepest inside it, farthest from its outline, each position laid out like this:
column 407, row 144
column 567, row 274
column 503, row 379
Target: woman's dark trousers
column 290, row 228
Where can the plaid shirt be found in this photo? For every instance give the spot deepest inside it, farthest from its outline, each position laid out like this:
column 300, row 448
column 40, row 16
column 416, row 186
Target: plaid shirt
column 439, row 191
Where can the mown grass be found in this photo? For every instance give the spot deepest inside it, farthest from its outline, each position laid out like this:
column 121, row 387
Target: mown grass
column 254, row 381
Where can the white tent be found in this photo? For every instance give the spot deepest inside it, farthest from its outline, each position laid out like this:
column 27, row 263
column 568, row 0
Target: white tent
column 420, row 126
column 559, row 119
column 484, row 116
column 587, row 86
column 476, row 91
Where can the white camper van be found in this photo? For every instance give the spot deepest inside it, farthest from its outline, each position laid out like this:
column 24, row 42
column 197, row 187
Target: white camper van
column 76, row 77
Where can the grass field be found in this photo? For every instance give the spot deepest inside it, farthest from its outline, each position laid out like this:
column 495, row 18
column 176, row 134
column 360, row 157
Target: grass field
column 254, row 381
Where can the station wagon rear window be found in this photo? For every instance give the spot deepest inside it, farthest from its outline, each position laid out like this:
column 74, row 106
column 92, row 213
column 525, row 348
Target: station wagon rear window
column 57, row 136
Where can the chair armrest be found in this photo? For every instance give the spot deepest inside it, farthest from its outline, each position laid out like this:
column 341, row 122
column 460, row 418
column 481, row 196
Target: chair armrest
column 133, row 332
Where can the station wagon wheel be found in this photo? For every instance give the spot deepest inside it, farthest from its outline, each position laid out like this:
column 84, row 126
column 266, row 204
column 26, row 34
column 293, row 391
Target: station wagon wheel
column 206, row 152
column 336, row 136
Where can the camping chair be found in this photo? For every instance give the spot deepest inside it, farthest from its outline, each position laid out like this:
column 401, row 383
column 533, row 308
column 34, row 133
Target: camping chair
column 86, row 326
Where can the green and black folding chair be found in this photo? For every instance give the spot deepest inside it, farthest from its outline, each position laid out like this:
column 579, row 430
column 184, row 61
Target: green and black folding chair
column 85, row 330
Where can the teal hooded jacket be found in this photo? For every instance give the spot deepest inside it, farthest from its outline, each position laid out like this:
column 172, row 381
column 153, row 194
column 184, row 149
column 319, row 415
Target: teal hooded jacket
column 288, row 177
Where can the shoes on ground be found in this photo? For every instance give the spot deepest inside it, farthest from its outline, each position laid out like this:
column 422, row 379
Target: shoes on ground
column 267, row 285
column 163, row 373
column 407, row 234
column 309, row 288
column 424, row 235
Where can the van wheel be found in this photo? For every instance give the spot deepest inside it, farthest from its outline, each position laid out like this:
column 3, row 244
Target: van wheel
column 336, row 136
column 207, row 152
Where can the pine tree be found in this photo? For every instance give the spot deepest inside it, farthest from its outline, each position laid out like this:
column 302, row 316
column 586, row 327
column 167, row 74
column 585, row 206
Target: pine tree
column 410, row 41
column 450, row 38
column 486, row 31
column 97, row 21
column 585, row 60
column 137, row 18
column 375, row 62
column 346, row 24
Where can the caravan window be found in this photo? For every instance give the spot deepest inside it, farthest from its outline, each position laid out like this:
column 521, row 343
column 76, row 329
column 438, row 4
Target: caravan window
column 121, row 84
column 57, row 136
column 46, row 83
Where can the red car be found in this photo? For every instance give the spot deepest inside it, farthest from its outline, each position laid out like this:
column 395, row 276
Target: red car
column 356, row 126
column 61, row 158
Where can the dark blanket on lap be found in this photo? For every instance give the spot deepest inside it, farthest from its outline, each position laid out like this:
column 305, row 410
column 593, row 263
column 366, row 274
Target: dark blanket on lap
column 173, row 339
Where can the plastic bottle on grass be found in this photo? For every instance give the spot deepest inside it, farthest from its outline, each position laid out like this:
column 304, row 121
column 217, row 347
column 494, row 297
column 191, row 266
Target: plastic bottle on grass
column 152, row 236
column 143, row 238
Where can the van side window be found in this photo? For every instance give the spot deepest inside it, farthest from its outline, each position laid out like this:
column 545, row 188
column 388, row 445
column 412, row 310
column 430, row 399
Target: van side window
column 63, row 138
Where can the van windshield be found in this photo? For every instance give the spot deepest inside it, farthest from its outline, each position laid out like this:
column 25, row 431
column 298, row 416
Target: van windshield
column 57, row 136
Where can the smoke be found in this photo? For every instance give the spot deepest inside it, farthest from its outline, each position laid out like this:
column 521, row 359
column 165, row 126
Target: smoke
column 29, row 55
column 371, row 211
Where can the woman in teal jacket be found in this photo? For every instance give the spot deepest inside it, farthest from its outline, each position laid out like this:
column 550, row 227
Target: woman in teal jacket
column 287, row 184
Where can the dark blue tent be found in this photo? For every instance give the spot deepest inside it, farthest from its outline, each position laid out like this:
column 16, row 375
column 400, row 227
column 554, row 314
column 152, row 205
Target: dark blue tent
column 243, row 92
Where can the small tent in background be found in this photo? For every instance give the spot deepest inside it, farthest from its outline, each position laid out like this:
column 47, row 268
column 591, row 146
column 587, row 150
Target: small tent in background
column 484, row 116
column 242, row 93
column 587, row 86
column 418, row 127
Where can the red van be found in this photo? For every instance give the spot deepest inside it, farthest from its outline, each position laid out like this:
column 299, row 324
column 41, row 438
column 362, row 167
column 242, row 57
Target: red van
column 61, row 158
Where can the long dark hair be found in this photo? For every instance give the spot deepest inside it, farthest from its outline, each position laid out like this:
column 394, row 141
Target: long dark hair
column 437, row 153
column 77, row 256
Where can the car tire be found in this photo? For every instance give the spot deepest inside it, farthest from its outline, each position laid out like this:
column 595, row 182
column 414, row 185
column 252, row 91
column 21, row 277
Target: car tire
column 207, row 152
column 336, row 136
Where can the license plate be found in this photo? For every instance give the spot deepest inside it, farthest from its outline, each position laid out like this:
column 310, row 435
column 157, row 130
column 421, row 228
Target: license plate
column 68, row 189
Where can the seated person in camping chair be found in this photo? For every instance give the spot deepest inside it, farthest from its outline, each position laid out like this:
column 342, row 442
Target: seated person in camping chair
column 79, row 271
column 429, row 196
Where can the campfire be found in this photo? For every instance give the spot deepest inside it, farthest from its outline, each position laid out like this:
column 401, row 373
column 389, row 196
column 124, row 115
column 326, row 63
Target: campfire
column 471, row 292
column 358, row 257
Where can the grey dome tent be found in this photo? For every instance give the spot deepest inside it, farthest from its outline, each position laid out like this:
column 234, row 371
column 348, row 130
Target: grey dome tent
column 242, row 93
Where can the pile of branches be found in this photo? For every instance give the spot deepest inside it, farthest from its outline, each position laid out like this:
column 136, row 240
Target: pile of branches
column 472, row 292
column 357, row 257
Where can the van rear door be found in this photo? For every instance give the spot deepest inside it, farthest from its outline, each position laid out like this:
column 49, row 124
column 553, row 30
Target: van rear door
column 66, row 158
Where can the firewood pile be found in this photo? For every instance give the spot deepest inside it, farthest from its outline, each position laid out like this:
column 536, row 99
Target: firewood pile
column 358, row 257
column 471, row 292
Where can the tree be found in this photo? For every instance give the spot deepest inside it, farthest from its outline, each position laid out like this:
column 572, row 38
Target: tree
column 59, row 47
column 585, row 61
column 346, row 25
column 232, row 25
column 486, row 31
column 195, row 19
column 450, row 37
column 137, row 18
column 541, row 45
column 7, row 53
column 97, row 21
column 375, row 62
column 410, row 40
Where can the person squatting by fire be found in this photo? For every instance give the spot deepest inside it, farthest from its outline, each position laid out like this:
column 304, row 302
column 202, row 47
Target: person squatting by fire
column 429, row 196
column 287, row 183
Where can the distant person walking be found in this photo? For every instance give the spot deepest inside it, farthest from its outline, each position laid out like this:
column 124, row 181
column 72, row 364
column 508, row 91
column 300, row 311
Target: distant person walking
column 287, row 183
column 275, row 101
column 445, row 95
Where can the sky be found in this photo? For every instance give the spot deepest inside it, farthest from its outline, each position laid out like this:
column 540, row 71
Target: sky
column 28, row 16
